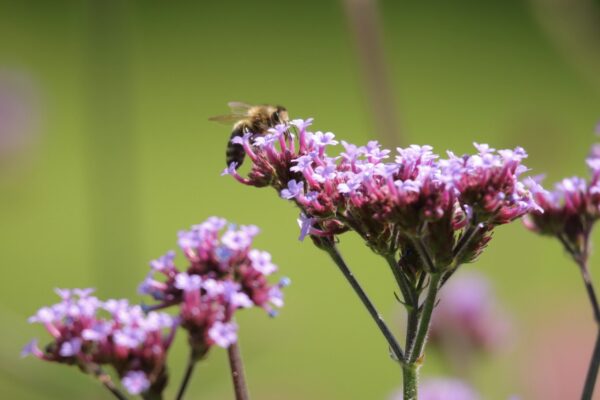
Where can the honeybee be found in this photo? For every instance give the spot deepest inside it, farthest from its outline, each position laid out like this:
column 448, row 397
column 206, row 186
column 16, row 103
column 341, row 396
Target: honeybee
column 249, row 118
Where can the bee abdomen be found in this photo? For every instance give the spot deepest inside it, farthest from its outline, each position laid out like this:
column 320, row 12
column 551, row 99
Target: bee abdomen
column 235, row 152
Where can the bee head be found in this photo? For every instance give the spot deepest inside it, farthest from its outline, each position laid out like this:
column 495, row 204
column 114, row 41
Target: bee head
column 280, row 115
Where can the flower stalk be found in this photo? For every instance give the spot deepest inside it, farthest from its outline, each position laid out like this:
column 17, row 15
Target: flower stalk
column 109, row 385
column 329, row 246
column 416, row 351
column 410, row 377
column 186, row 377
column 592, row 373
column 237, row 372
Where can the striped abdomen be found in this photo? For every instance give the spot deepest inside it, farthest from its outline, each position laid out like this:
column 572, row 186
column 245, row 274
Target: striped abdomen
column 235, row 152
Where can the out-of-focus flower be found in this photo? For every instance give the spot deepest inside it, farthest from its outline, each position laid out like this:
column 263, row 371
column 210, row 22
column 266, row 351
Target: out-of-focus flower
column 90, row 333
column 18, row 113
column 468, row 318
column 443, row 389
column 540, row 375
column 224, row 274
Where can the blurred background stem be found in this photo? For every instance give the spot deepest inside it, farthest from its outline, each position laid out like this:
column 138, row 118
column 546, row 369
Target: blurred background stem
column 574, row 28
column 365, row 24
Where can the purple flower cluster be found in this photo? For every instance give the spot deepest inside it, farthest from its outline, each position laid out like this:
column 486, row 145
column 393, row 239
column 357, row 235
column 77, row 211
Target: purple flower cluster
column 570, row 210
column 90, row 333
column 224, row 274
column 417, row 196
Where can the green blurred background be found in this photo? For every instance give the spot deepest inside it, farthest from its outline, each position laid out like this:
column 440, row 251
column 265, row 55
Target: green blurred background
column 124, row 157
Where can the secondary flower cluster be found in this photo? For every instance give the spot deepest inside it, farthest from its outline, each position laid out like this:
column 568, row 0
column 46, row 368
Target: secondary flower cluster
column 571, row 209
column 90, row 333
column 417, row 197
column 224, row 275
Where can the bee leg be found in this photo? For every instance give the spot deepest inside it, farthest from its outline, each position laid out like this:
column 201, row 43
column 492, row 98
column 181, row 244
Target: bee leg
column 235, row 152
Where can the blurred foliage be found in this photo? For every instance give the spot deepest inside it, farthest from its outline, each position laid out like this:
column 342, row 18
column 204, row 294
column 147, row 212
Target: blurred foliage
column 462, row 71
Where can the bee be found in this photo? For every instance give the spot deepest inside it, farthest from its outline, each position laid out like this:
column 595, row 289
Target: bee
column 249, row 118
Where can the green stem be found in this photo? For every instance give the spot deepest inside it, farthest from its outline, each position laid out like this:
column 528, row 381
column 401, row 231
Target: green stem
column 589, row 287
column 425, row 319
column 592, row 374
column 331, row 249
column 115, row 392
column 186, row 377
column 151, row 395
column 106, row 381
column 590, row 379
column 424, row 254
column 237, row 372
column 408, row 294
column 412, row 323
column 411, row 300
column 410, row 378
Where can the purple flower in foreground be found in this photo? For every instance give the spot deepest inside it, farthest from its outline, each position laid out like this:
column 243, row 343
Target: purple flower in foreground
column 223, row 334
column 135, row 382
column 305, row 224
column 83, row 335
column 294, row 189
column 324, row 139
column 261, row 261
column 224, row 274
column 164, row 263
column 390, row 204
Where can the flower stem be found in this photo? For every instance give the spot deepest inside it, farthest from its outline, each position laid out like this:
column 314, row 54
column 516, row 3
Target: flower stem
column 186, row 377
column 410, row 378
column 411, row 301
column 416, row 351
column 397, row 351
column 237, row 372
column 106, row 380
column 111, row 388
column 592, row 374
column 590, row 379
column 587, row 280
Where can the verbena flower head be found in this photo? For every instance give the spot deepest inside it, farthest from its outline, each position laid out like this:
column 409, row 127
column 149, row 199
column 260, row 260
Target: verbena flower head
column 570, row 210
column 468, row 318
column 90, row 333
column 224, row 274
column 390, row 200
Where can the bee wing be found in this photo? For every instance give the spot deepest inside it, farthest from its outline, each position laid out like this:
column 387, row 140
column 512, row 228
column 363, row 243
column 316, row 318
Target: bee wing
column 239, row 111
column 227, row 119
column 239, row 108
